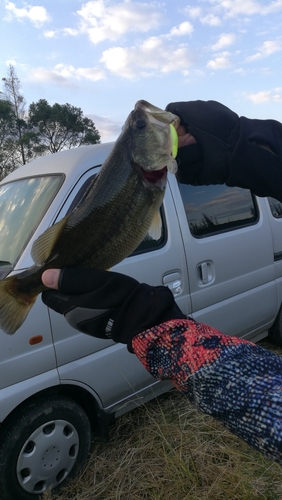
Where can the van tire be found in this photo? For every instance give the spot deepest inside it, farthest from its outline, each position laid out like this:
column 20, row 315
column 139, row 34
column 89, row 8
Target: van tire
column 43, row 445
column 275, row 332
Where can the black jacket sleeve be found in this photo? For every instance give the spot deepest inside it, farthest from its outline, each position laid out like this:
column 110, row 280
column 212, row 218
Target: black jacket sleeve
column 253, row 166
column 230, row 149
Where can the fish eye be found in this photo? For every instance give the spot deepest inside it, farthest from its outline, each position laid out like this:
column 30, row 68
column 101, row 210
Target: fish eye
column 140, row 124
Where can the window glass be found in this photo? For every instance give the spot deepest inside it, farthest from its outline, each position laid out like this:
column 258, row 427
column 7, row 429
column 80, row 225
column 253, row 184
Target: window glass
column 149, row 244
column 275, row 207
column 213, row 209
column 79, row 197
column 23, row 203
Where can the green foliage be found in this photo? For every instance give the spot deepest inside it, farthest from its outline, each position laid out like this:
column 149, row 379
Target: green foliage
column 44, row 129
column 61, row 126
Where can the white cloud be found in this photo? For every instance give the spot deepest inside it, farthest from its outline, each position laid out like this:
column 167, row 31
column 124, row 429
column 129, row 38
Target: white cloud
column 102, row 22
column 236, row 7
column 21, row 66
column 198, row 13
column 224, row 40
column 70, row 31
column 184, row 28
column 266, row 49
column 233, row 8
column 240, row 70
column 63, row 31
column 264, row 96
column 221, row 61
column 274, row 6
column 65, row 74
column 193, row 12
column 108, row 129
column 154, row 56
column 12, row 62
column 211, row 20
column 49, row 33
column 37, row 15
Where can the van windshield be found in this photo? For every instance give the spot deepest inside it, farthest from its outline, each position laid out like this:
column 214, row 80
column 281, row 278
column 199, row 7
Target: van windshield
column 23, row 203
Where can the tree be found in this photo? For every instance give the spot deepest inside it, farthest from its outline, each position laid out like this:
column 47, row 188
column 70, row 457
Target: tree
column 60, row 126
column 45, row 129
column 12, row 94
column 8, row 144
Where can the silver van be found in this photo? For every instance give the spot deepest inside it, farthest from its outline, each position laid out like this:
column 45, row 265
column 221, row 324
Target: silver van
column 220, row 252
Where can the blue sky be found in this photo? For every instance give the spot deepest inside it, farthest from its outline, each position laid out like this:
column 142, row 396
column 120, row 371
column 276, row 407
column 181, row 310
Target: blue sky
column 104, row 55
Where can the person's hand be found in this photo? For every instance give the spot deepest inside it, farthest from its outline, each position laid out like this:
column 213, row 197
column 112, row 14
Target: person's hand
column 88, row 298
column 50, row 278
column 184, row 138
column 207, row 135
column 107, row 304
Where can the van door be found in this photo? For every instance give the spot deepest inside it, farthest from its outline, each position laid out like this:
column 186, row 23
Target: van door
column 229, row 250
column 109, row 368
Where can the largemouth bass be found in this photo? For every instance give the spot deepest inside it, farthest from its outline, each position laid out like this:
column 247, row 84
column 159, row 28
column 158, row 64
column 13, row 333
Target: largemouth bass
column 118, row 210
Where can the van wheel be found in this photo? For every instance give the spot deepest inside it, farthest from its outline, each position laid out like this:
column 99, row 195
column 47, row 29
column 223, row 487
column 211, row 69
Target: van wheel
column 41, row 447
column 275, row 332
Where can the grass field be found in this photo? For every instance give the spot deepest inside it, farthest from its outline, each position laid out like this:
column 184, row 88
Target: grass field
column 167, row 450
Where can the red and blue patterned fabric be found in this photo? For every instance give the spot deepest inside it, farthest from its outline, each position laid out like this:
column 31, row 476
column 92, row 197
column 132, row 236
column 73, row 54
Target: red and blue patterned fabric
column 233, row 380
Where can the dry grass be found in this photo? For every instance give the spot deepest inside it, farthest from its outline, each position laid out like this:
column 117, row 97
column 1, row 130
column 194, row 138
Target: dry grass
column 167, row 450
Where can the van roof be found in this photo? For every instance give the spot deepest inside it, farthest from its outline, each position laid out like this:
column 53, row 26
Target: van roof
column 66, row 162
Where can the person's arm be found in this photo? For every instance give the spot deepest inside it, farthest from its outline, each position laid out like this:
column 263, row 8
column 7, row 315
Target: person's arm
column 229, row 149
column 235, row 381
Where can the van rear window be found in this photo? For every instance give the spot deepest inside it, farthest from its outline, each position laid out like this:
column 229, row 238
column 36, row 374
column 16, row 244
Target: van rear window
column 216, row 209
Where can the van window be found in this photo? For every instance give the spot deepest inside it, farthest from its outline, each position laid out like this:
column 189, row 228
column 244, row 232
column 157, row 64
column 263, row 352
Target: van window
column 23, row 203
column 215, row 209
column 148, row 244
column 275, row 207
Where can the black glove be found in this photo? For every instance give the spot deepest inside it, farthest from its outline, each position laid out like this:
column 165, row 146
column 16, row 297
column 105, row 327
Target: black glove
column 216, row 129
column 106, row 304
column 234, row 150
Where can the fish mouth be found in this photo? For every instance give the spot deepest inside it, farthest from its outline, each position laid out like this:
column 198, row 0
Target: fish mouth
column 155, row 178
column 157, row 114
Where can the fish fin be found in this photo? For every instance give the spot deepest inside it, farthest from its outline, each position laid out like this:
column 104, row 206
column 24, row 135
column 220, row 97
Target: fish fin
column 155, row 230
column 42, row 247
column 14, row 305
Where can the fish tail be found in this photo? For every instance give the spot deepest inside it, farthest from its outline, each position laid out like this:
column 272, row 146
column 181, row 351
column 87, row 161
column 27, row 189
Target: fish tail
column 14, row 305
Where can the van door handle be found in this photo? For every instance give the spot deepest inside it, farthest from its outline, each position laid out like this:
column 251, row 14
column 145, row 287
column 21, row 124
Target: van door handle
column 205, row 272
column 173, row 281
